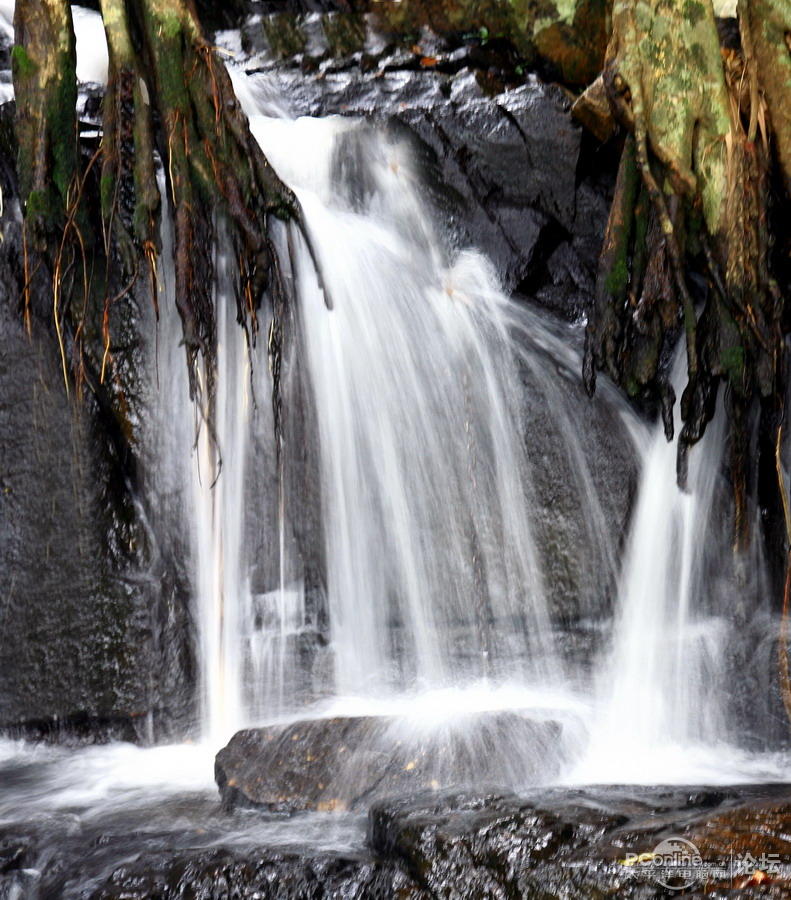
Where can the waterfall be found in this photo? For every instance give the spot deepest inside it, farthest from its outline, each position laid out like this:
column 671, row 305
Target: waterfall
column 200, row 480
column 425, row 480
column 393, row 563
column 429, row 573
column 662, row 688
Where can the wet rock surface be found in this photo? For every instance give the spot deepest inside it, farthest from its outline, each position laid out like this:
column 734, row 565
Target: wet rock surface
column 221, row 873
column 562, row 843
column 347, row 762
column 85, row 656
column 506, row 170
column 548, row 843
column 584, row 473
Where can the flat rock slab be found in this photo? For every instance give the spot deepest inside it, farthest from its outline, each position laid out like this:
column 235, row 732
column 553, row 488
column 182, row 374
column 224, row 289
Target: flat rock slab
column 548, row 843
column 348, row 762
column 553, row 844
column 573, row 842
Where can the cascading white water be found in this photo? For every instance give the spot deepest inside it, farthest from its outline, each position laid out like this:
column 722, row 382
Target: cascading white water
column 425, row 481
column 432, row 575
column 660, row 688
column 219, row 501
column 205, row 474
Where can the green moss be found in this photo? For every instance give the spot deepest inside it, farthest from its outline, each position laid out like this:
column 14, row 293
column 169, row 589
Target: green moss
column 699, row 58
column 106, row 193
column 23, row 65
column 345, row 33
column 284, row 34
column 281, row 211
column 694, row 12
column 170, row 73
column 732, row 363
column 170, row 26
column 618, row 277
column 37, row 204
column 62, row 131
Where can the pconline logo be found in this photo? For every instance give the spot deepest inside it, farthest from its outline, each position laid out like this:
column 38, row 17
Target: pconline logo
column 676, row 864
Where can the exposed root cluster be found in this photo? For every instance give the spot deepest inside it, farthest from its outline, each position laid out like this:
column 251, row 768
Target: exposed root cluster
column 693, row 195
column 169, row 100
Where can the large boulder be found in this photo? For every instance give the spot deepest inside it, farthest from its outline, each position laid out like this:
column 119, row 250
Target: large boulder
column 347, row 762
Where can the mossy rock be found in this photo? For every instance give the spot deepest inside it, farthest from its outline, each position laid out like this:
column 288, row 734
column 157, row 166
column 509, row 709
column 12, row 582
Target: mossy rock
column 345, row 33
column 568, row 37
column 285, row 35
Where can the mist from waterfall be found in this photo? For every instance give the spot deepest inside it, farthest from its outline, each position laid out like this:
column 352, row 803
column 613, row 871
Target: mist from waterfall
column 392, row 567
column 664, row 703
column 414, row 389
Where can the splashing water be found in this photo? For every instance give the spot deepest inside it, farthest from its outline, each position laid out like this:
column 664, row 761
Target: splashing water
column 660, row 710
column 407, row 400
column 419, row 496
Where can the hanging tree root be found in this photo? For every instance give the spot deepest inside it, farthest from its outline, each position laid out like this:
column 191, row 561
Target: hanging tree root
column 211, row 162
column 44, row 71
column 167, row 95
column 692, row 190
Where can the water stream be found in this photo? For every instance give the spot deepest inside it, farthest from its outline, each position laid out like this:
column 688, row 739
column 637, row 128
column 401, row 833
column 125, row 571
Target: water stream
column 408, row 581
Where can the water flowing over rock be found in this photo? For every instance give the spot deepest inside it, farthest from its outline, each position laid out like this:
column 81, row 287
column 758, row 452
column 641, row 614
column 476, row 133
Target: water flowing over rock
column 506, row 172
column 495, row 192
column 346, row 763
column 420, row 590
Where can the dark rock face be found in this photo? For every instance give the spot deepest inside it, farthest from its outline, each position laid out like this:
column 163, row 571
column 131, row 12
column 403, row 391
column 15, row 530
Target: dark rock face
column 584, row 476
column 78, row 657
column 513, row 159
column 569, row 843
column 504, row 171
column 65, row 627
column 82, row 656
column 345, row 763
